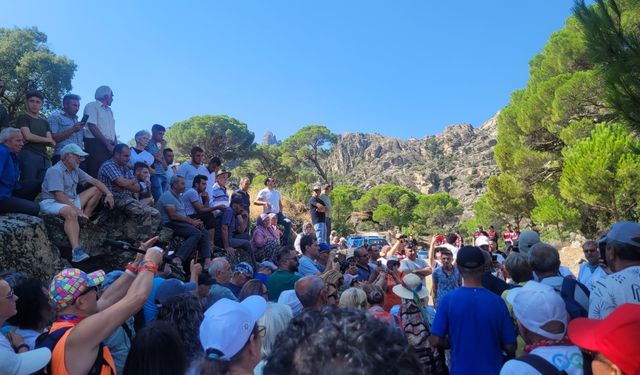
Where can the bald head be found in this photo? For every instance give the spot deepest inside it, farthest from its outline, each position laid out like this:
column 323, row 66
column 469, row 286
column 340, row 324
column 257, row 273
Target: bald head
column 309, row 291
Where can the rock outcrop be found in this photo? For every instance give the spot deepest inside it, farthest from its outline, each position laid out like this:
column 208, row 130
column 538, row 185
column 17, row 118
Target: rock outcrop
column 458, row 161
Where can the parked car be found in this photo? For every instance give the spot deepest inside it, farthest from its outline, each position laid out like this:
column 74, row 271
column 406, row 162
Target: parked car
column 358, row 241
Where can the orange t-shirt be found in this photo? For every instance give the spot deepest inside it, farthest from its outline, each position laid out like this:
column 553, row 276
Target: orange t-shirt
column 390, row 298
column 57, row 356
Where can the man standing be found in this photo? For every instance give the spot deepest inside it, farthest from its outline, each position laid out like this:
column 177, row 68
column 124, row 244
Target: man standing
column 65, row 127
column 475, row 320
column 196, row 203
column 310, row 252
column 173, row 215
column 172, row 169
column 191, row 168
column 366, row 273
column 243, row 193
column 4, row 115
column 622, row 246
column 414, row 264
column 326, row 198
column 445, row 278
column 213, row 166
column 60, row 197
column 269, row 199
column 33, row 158
column 317, row 211
column 156, row 147
column 120, row 181
column 100, row 137
column 592, row 269
column 285, row 277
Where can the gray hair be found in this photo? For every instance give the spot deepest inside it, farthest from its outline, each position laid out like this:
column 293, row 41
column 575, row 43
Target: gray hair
column 518, row 267
column 354, row 298
column 174, row 179
column 244, row 179
column 544, row 258
column 275, row 319
column 7, row 134
column 308, row 290
column 141, row 134
column 103, row 91
column 217, row 265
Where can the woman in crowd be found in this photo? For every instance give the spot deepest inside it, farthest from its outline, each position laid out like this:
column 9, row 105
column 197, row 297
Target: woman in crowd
column 184, row 312
column 273, row 221
column 334, row 281
column 393, row 278
column 15, row 196
column 275, row 320
column 138, row 152
column 231, row 336
column 414, row 322
column 34, row 311
column 375, row 298
column 253, row 287
column 354, row 298
column 157, row 349
column 307, row 228
column 265, row 240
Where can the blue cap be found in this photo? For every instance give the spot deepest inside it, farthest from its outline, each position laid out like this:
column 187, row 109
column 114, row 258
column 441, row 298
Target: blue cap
column 172, row 287
column 624, row 232
column 324, row 247
column 244, row 268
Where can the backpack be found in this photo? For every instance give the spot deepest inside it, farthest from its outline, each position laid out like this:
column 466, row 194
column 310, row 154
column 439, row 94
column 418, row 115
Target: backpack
column 567, row 292
column 50, row 339
column 540, row 364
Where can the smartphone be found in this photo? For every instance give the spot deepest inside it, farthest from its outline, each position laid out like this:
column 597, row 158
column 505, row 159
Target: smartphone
column 494, row 257
column 84, row 120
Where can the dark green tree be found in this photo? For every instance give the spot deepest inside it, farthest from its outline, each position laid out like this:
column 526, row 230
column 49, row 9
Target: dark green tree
column 220, row 136
column 308, row 147
column 342, row 199
column 438, row 211
column 27, row 64
column 613, row 43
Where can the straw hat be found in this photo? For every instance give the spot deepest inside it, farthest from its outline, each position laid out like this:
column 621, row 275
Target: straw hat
column 410, row 283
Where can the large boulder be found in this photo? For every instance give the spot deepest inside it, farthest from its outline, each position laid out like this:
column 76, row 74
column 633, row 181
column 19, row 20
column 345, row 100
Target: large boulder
column 25, row 246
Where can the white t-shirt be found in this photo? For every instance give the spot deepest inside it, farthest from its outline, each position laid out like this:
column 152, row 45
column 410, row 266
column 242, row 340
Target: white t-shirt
column 271, row 196
column 412, row 265
column 587, row 277
column 189, row 172
column 564, row 358
column 614, row 290
column 144, row 157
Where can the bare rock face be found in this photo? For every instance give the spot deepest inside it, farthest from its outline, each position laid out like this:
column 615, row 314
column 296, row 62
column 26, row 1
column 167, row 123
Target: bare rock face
column 458, row 161
column 25, row 246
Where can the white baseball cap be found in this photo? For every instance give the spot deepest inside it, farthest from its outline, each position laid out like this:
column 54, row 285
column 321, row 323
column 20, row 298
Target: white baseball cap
column 536, row 304
column 23, row 363
column 482, row 241
column 227, row 324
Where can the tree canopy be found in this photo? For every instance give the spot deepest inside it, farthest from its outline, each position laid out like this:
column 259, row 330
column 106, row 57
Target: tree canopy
column 308, row 147
column 27, row 64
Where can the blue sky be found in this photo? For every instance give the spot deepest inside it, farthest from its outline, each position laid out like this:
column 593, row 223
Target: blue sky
column 398, row 68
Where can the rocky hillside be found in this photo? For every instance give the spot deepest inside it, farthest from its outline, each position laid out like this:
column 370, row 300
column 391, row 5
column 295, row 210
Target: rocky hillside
column 458, row 161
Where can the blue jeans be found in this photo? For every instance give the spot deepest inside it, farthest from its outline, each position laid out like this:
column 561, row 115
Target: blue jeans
column 158, row 186
column 321, row 232
column 287, row 227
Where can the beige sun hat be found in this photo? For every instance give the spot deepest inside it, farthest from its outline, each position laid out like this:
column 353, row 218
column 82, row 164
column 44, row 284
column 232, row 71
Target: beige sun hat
column 410, row 283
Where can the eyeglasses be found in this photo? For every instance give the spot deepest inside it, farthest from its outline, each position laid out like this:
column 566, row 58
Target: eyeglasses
column 10, row 295
column 261, row 331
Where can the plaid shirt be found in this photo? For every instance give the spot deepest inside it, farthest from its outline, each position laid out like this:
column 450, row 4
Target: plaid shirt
column 109, row 172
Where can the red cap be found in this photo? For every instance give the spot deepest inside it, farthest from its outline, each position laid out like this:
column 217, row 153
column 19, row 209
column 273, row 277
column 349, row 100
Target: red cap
column 615, row 337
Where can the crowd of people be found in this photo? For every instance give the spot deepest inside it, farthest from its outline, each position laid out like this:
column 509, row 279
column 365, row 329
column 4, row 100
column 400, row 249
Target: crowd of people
column 293, row 306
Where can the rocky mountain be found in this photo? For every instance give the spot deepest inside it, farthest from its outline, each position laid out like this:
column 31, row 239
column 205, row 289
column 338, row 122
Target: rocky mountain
column 458, row 161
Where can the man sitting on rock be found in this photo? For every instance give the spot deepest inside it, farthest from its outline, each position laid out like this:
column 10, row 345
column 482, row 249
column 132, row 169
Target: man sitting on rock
column 60, row 196
column 121, row 182
column 232, row 230
column 173, row 215
column 197, row 206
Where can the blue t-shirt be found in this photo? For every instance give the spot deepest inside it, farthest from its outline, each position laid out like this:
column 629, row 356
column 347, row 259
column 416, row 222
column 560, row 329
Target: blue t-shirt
column 306, row 267
column 478, row 325
column 150, row 308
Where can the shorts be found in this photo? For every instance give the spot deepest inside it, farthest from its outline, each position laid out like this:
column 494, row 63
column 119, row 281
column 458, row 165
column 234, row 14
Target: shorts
column 53, row 207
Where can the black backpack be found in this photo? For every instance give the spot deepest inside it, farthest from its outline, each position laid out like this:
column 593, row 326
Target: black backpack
column 50, row 339
column 567, row 292
column 540, row 364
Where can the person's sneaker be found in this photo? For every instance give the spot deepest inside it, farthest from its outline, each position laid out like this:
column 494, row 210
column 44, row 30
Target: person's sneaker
column 78, row 255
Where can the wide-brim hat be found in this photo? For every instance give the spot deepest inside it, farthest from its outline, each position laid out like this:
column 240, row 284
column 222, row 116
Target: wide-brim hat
column 23, row 363
column 411, row 283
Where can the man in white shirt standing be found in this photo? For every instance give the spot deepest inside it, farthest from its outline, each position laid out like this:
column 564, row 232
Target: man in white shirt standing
column 191, row 168
column 592, row 269
column 100, row 137
column 270, row 200
column 622, row 244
